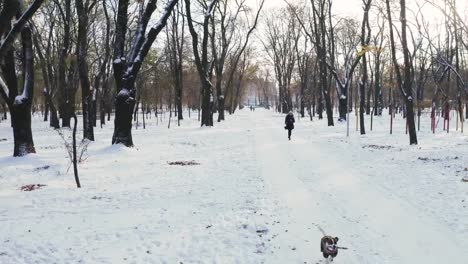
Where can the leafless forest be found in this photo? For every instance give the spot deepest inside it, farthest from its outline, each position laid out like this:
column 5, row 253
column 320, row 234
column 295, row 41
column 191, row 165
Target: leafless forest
column 112, row 62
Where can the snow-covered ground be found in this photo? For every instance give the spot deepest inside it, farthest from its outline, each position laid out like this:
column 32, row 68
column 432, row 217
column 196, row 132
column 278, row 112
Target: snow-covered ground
column 254, row 197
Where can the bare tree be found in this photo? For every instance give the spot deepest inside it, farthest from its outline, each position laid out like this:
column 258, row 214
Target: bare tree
column 201, row 58
column 66, row 65
column 320, row 10
column 404, row 79
column 282, row 36
column 127, row 67
column 365, row 39
column 305, row 63
column 82, row 10
column 175, row 36
column 348, row 41
column 378, row 42
column 45, row 56
column 101, row 79
column 13, row 22
column 220, row 44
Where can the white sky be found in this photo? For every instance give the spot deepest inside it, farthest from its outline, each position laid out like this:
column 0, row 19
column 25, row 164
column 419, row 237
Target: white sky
column 353, row 8
column 342, row 7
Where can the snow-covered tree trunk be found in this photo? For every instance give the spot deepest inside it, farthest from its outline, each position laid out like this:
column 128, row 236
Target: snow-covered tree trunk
column 20, row 105
column 127, row 66
column 12, row 22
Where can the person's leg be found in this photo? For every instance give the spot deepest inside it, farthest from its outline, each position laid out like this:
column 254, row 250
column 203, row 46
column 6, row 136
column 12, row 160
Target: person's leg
column 289, row 134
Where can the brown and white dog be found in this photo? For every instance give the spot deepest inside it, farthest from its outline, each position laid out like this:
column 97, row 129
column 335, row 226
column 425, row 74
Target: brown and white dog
column 328, row 246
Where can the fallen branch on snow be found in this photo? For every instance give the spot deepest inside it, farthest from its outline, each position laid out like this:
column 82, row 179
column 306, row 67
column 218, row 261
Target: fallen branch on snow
column 31, row 187
column 183, row 163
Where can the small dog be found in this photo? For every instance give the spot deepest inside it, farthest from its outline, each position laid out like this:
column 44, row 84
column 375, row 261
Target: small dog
column 328, row 246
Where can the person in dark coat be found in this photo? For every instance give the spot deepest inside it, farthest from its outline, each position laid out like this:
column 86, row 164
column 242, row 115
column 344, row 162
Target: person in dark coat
column 289, row 122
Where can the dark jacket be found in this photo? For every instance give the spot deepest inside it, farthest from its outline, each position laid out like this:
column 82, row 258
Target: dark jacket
column 289, row 121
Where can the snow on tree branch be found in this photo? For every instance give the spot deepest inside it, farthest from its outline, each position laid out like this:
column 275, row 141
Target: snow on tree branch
column 209, row 10
column 152, row 34
column 4, row 91
column 444, row 62
column 18, row 25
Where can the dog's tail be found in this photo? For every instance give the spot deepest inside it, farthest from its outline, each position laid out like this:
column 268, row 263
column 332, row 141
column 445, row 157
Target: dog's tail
column 320, row 229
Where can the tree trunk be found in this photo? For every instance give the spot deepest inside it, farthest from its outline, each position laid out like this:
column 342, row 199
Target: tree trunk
column 362, row 105
column 179, row 102
column 365, row 38
column 207, row 99
column 466, row 109
column 66, row 95
column 343, row 106
column 22, row 133
column 378, row 98
column 320, row 105
column 405, row 80
column 102, row 111
column 302, row 100
column 126, row 68
column 86, row 95
column 54, row 120
column 46, row 109
column 5, row 116
column 94, row 108
column 221, row 108
column 369, row 95
column 124, row 106
column 20, row 105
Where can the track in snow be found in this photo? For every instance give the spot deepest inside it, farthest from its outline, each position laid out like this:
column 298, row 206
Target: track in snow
column 316, row 184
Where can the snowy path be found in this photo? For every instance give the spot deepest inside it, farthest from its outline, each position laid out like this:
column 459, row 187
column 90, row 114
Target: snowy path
column 255, row 197
column 318, row 185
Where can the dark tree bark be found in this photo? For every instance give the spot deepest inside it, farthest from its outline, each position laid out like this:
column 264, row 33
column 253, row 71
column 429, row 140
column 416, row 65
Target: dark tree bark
column 4, row 115
column 460, row 82
column 21, row 108
column 46, row 107
column 126, row 68
column 369, row 91
column 66, row 89
column 175, row 38
column 102, row 78
column 219, row 56
column 320, row 30
column 365, row 38
column 13, row 22
column 404, row 80
column 201, row 61
column 82, row 10
column 20, row 104
column 75, row 162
